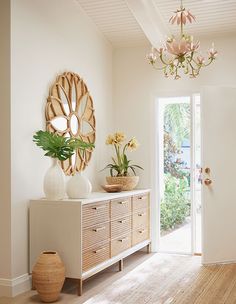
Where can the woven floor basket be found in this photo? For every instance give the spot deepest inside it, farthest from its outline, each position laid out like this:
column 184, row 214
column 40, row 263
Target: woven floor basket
column 48, row 276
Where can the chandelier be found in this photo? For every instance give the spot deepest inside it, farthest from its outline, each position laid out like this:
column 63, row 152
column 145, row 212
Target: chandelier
column 180, row 53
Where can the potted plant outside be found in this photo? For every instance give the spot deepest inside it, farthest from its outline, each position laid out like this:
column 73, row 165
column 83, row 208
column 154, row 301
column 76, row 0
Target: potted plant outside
column 58, row 148
column 122, row 171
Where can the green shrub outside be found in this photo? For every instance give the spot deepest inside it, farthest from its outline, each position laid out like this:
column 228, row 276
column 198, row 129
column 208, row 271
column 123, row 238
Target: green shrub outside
column 175, row 206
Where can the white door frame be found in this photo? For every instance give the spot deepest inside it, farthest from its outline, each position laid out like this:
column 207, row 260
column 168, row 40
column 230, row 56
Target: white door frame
column 155, row 180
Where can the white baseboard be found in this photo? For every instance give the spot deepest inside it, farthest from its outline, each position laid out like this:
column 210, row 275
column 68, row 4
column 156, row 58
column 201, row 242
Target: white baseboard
column 218, row 262
column 15, row 286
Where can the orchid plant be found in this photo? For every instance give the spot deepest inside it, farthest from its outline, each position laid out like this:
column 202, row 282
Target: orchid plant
column 120, row 165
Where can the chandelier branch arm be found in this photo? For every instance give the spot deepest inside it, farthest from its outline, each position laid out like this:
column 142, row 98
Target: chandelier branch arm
column 207, row 64
column 158, row 68
column 192, row 68
column 162, row 60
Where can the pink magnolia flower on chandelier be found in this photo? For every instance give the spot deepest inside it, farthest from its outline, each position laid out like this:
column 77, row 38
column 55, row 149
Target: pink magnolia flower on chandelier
column 212, row 52
column 160, row 50
column 177, row 48
column 151, row 57
column 200, row 60
column 182, row 16
column 181, row 47
column 194, row 47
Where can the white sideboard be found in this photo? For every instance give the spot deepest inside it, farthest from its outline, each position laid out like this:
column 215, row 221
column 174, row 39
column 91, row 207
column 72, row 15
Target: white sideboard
column 90, row 234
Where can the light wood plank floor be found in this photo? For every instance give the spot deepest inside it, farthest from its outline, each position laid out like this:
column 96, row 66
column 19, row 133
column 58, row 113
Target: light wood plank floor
column 151, row 279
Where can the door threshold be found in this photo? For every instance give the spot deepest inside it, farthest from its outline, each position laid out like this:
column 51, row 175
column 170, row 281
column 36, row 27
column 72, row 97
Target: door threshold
column 175, row 253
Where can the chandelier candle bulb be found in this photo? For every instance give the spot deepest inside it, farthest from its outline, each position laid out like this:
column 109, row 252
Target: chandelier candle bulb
column 180, row 53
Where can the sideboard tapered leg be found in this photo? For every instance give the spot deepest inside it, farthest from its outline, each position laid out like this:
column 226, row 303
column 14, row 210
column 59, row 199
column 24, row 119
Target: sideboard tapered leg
column 121, row 265
column 80, row 287
column 149, row 248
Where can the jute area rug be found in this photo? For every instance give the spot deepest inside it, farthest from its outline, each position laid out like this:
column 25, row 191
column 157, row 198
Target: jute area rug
column 167, row 279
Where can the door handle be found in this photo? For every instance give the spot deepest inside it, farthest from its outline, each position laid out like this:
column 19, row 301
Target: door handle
column 207, row 181
column 208, row 170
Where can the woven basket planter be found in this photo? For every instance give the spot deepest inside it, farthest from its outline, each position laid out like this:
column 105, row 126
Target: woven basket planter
column 127, row 182
column 48, row 276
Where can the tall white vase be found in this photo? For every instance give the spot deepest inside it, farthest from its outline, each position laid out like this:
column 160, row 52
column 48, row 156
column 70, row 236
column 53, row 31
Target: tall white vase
column 78, row 186
column 54, row 182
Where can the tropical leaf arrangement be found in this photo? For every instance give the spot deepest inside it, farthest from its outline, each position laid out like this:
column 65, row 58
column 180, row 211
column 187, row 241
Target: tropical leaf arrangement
column 57, row 146
column 121, row 165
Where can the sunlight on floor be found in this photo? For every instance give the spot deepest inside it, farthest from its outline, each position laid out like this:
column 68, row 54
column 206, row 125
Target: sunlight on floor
column 179, row 240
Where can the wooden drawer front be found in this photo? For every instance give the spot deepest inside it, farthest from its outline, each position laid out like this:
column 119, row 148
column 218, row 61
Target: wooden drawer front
column 120, row 226
column 140, row 202
column 140, row 234
column 140, row 218
column 95, row 213
column 120, row 207
column 95, row 256
column 96, row 234
column 120, row 244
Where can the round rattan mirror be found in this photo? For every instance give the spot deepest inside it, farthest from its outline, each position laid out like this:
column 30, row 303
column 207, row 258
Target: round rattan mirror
column 69, row 112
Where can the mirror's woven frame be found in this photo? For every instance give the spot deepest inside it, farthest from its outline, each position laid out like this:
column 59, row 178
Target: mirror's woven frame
column 65, row 84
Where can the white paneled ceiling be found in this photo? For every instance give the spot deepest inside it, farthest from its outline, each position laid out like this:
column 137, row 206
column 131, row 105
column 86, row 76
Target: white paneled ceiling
column 117, row 19
column 213, row 17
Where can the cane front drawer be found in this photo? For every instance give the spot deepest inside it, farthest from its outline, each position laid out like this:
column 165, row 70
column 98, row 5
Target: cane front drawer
column 95, row 213
column 139, row 235
column 120, row 244
column 96, row 255
column 140, row 202
column 96, row 234
column 120, row 226
column 140, row 218
column 120, row 207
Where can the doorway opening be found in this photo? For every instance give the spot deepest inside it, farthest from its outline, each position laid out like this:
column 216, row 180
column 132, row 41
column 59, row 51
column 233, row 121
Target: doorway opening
column 180, row 174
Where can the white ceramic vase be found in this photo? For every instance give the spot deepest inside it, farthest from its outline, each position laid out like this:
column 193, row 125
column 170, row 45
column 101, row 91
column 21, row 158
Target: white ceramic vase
column 54, row 182
column 78, row 186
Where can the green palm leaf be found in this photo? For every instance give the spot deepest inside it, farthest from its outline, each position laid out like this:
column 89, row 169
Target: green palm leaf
column 57, row 146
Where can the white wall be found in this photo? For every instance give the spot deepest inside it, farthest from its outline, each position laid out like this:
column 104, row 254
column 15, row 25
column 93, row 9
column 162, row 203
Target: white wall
column 137, row 84
column 49, row 37
column 5, row 152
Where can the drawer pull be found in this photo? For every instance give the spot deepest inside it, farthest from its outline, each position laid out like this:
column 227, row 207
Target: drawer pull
column 123, row 240
column 99, row 250
column 141, row 214
column 122, row 221
column 99, row 229
column 141, row 197
column 122, row 202
column 141, row 231
column 99, row 207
